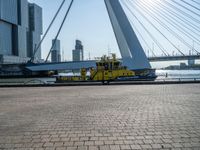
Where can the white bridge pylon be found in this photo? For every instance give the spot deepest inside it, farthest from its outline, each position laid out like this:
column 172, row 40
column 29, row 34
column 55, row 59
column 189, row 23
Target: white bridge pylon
column 132, row 53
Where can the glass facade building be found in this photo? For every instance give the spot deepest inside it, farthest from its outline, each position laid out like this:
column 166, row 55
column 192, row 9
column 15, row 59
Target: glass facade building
column 55, row 53
column 20, row 29
column 78, row 52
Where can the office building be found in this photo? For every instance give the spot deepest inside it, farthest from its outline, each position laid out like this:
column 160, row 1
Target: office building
column 35, row 30
column 55, row 53
column 78, row 52
column 20, row 30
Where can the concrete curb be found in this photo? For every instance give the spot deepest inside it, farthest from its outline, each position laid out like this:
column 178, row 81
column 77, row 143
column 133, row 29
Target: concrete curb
column 100, row 84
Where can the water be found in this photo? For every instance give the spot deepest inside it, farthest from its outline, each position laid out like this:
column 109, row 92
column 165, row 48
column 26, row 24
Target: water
column 27, row 81
column 160, row 73
column 175, row 74
column 171, row 75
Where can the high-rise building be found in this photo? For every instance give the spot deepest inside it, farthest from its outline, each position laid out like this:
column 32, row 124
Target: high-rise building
column 55, row 53
column 78, row 52
column 35, row 29
column 8, row 23
column 20, row 30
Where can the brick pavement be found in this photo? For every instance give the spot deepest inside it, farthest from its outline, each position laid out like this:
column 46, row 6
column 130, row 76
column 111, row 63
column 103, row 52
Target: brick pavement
column 100, row 117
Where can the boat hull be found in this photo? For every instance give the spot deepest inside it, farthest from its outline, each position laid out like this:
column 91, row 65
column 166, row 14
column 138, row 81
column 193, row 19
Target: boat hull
column 144, row 75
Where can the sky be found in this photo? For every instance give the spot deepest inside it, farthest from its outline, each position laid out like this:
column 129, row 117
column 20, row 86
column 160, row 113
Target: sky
column 88, row 21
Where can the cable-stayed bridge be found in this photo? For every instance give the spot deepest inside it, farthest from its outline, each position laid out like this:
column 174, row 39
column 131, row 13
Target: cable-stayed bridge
column 168, row 24
column 92, row 63
column 173, row 21
column 174, row 58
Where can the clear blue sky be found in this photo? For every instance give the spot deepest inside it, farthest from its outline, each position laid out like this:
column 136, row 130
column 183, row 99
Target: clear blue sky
column 89, row 22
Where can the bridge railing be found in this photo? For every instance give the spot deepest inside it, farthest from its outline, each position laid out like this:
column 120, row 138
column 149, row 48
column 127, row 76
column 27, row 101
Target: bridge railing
column 178, row 79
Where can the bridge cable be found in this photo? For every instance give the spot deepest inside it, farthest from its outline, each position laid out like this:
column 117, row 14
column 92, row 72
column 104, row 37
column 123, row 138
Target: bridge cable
column 174, row 24
column 195, row 2
column 166, row 27
column 172, row 12
column 182, row 12
column 173, row 33
column 185, row 8
column 190, row 5
column 157, row 29
column 46, row 32
column 60, row 28
column 142, row 38
column 154, row 39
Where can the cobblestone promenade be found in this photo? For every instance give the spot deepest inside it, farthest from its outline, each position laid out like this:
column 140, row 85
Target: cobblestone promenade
column 100, row 117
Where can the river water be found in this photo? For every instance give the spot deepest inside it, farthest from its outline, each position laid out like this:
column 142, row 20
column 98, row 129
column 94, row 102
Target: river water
column 162, row 75
column 175, row 74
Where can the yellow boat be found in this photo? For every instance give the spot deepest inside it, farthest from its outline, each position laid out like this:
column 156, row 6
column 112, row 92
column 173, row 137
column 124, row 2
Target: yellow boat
column 107, row 69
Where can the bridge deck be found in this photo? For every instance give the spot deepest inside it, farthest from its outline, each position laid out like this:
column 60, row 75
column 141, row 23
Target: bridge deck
column 92, row 63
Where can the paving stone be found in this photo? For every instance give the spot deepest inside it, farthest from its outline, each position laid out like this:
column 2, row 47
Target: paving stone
column 148, row 141
column 125, row 147
column 167, row 146
column 128, row 142
column 177, row 145
column 156, row 146
column 167, row 140
column 36, row 145
column 82, row 148
column 68, row 143
column 93, row 139
column 61, row 148
column 84, row 138
column 78, row 143
column 136, row 147
column 58, row 144
column 39, row 148
column 108, row 142
column 114, row 147
column 100, row 117
column 119, row 142
column 48, row 144
column 103, row 138
column 99, row 143
column 89, row 143
column 93, row 148
column 104, row 147
column 50, row 148
column 71, row 148
column 146, row 146
column 187, row 145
